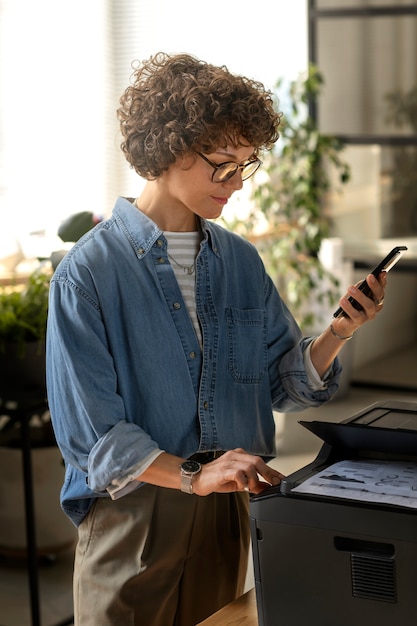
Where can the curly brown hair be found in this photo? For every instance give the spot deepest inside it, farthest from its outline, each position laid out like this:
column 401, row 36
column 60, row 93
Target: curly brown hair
column 179, row 104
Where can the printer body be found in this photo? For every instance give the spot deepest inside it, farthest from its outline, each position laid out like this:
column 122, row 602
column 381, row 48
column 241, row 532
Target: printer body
column 321, row 560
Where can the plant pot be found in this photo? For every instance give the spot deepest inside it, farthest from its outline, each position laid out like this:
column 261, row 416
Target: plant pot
column 23, row 397
column 54, row 531
column 23, row 369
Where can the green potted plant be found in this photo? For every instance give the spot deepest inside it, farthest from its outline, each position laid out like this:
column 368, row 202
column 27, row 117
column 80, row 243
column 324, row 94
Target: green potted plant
column 286, row 220
column 23, row 315
column 23, row 310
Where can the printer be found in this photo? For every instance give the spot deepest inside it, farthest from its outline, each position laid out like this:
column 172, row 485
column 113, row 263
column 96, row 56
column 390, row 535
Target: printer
column 336, row 543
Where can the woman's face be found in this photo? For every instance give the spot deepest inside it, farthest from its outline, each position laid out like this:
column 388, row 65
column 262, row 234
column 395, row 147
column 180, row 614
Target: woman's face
column 191, row 189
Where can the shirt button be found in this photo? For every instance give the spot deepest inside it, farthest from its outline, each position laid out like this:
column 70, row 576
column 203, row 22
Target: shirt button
column 192, row 355
column 205, row 405
column 176, row 305
column 159, row 243
column 161, row 260
column 141, row 251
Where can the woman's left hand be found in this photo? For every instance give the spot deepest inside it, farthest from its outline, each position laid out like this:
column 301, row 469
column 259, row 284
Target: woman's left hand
column 326, row 347
column 371, row 305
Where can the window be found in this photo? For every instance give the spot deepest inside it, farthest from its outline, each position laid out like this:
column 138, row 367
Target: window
column 63, row 66
column 367, row 54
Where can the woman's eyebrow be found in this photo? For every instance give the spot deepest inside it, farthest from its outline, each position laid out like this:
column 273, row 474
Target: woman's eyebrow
column 232, row 156
column 225, row 154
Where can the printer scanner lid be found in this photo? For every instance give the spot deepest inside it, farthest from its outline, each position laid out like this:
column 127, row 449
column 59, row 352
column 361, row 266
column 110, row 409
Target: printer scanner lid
column 387, row 427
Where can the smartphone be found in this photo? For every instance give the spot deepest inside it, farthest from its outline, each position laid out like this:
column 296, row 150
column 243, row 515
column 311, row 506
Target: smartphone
column 386, row 264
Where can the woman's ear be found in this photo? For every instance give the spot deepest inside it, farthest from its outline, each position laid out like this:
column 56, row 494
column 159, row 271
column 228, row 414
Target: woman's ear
column 186, row 161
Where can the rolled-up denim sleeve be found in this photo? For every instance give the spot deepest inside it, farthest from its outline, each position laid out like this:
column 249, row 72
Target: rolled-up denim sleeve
column 113, row 460
column 128, row 483
column 298, row 392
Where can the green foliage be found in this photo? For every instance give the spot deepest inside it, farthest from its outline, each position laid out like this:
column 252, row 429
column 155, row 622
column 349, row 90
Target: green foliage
column 286, row 220
column 402, row 108
column 23, row 312
column 402, row 112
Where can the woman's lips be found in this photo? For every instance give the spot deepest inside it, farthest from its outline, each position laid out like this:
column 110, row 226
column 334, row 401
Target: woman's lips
column 220, row 200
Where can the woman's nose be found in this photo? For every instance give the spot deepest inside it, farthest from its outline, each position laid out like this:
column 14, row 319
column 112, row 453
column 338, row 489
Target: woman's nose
column 234, row 182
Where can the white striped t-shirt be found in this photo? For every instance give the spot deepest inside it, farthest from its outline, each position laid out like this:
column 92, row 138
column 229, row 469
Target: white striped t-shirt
column 182, row 252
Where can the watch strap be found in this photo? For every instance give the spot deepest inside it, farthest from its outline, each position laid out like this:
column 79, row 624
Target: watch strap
column 188, row 470
column 187, row 483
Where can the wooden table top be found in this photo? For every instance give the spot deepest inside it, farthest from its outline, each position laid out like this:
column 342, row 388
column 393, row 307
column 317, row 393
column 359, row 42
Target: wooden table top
column 241, row 611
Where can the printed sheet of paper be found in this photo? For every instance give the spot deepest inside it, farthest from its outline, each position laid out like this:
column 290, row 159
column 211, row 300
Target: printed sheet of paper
column 388, row 482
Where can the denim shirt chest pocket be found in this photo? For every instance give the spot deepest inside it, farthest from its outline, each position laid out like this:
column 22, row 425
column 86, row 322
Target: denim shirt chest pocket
column 247, row 344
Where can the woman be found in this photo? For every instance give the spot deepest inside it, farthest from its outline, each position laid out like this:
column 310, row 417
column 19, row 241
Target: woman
column 168, row 349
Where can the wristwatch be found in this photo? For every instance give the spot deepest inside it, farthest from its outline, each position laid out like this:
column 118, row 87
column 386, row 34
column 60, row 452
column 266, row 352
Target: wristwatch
column 188, row 470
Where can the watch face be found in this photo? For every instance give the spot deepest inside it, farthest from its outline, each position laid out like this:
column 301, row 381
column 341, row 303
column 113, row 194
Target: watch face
column 191, row 467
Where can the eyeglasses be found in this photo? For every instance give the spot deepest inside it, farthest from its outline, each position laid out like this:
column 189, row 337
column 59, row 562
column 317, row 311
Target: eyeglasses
column 225, row 171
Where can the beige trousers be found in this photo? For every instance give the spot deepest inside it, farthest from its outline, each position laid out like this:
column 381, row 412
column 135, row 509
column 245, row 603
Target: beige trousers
column 159, row 557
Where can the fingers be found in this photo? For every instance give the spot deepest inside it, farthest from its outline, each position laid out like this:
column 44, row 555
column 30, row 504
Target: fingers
column 252, row 473
column 236, row 470
column 377, row 287
column 370, row 304
column 254, row 482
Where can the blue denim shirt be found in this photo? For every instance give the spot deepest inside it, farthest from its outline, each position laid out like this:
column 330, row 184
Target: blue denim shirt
column 125, row 372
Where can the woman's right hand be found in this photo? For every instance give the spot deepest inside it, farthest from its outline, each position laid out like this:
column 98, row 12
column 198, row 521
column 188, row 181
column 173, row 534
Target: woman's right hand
column 235, row 470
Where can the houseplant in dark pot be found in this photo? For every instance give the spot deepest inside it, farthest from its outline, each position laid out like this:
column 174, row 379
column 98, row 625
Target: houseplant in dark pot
column 23, row 316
